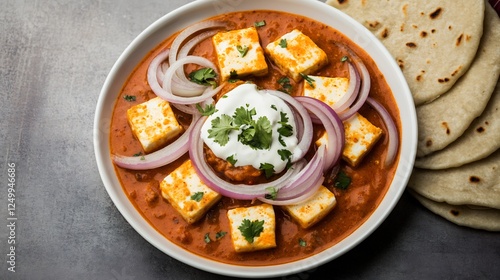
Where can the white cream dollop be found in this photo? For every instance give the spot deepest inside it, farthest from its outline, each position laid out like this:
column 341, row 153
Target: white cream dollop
column 248, row 96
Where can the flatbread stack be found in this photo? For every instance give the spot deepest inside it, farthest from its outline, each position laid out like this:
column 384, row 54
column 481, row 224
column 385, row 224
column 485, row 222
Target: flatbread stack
column 451, row 61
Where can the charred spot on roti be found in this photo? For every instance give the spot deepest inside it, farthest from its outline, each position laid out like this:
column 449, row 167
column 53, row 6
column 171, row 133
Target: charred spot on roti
column 384, row 33
column 405, row 9
column 456, row 70
column 401, row 63
column 480, row 129
column 411, row 45
column 441, row 80
column 436, row 13
column 428, row 143
column 433, row 30
column 474, row 179
column 449, row 27
column 459, row 39
column 373, row 24
column 445, row 125
column 423, row 34
column 342, row 1
column 419, row 78
column 402, row 28
column 454, row 212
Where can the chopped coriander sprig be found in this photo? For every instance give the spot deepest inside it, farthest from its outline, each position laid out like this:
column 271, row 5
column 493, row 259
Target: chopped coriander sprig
column 308, row 79
column 251, row 229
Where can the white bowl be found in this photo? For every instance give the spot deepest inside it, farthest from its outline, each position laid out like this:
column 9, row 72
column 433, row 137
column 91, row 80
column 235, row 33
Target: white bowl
column 200, row 10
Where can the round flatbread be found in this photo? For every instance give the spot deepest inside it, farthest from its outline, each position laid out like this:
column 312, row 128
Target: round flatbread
column 481, row 139
column 434, row 42
column 486, row 219
column 445, row 119
column 476, row 183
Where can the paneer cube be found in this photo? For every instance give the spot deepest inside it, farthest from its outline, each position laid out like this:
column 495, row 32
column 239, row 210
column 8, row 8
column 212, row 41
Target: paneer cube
column 360, row 137
column 153, row 123
column 327, row 89
column 314, row 209
column 360, row 134
column 187, row 193
column 266, row 239
column 239, row 53
column 295, row 53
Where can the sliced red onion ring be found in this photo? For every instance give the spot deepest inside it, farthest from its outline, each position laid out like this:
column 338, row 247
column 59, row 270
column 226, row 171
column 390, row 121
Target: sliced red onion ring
column 364, row 92
column 161, row 157
column 352, row 91
column 334, row 128
column 392, row 130
column 188, row 32
column 155, row 72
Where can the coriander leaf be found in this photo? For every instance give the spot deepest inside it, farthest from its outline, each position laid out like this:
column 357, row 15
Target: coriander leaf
column 302, row 242
column 137, row 154
column 283, row 43
column 260, row 23
column 129, row 98
column 285, row 130
column 243, row 116
column 204, row 76
column 209, row 109
column 267, row 168
column 274, row 107
column 282, row 142
column 344, row 58
column 197, row 196
column 220, row 234
column 242, row 50
column 264, row 132
column 250, row 230
column 342, row 181
column 221, row 127
column 231, row 160
column 272, row 193
column 207, row 238
column 308, row 79
column 285, row 84
column 285, row 154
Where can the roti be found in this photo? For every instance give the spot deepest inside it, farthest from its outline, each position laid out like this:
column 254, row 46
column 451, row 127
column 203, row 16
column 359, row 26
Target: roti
column 485, row 218
column 481, row 139
column 434, row 42
column 445, row 119
column 476, row 183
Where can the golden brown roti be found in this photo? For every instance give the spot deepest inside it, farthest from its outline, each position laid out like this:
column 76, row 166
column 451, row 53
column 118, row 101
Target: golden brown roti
column 486, row 219
column 476, row 183
column 445, row 119
column 481, row 139
column 433, row 41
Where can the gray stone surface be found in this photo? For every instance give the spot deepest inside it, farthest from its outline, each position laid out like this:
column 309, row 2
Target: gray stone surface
column 54, row 57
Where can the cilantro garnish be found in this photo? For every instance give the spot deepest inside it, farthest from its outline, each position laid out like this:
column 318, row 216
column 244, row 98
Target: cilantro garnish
column 283, row 43
column 137, row 154
column 129, row 98
column 342, row 181
column 286, row 129
column 274, row 107
column 272, row 193
column 302, row 242
column 267, row 168
column 220, row 234
column 260, row 23
column 308, row 79
column 221, row 126
column 344, row 58
column 207, row 111
column 207, row 238
column 197, row 196
column 231, row 160
column 204, row 76
column 242, row 50
column 285, row 84
column 251, row 229
column 244, row 116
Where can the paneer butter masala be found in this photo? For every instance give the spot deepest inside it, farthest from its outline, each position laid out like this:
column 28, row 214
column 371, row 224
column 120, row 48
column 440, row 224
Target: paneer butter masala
column 256, row 138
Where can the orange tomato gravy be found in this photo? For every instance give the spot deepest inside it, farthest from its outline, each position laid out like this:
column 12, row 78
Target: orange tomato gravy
column 370, row 180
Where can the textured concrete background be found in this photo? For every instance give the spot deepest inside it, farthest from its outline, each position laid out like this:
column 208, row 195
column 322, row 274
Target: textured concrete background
column 54, row 58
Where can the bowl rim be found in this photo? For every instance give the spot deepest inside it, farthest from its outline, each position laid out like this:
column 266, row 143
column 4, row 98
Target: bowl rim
column 202, row 9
